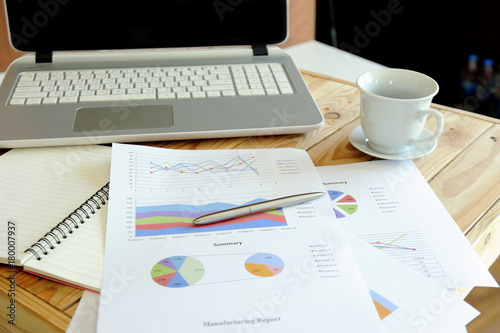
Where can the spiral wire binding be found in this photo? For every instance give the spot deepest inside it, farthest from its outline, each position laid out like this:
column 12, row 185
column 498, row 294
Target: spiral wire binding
column 70, row 222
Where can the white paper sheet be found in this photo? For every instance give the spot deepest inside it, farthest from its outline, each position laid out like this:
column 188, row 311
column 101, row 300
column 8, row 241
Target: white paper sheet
column 408, row 301
column 289, row 270
column 389, row 205
column 84, row 319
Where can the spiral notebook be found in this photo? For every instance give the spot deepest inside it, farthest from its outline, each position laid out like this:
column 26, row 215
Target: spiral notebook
column 53, row 212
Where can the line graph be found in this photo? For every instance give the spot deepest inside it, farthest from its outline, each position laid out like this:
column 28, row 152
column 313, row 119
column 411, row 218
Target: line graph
column 410, row 248
column 381, row 245
column 237, row 164
column 208, row 171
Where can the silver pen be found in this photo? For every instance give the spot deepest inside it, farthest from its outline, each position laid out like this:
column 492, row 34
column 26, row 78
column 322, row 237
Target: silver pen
column 256, row 208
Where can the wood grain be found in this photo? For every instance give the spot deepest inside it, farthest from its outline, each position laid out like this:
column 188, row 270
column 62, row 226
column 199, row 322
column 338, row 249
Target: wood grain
column 459, row 133
column 469, row 185
column 486, row 301
column 463, row 171
column 58, row 295
column 32, row 314
column 485, row 235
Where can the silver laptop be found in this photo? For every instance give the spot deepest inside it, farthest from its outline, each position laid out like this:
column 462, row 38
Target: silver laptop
column 147, row 70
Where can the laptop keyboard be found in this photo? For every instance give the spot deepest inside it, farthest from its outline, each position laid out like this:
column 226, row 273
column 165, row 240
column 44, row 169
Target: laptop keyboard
column 103, row 85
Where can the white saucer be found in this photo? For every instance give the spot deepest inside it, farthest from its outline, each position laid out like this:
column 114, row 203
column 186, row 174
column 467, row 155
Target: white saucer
column 359, row 140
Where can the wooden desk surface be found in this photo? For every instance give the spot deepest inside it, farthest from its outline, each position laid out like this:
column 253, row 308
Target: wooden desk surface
column 464, row 171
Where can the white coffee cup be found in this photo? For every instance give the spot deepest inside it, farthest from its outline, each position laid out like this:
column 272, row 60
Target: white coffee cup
column 394, row 108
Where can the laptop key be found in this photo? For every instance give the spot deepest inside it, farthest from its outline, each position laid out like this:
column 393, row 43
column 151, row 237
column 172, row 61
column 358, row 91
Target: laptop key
column 251, row 92
column 286, row 91
column 198, row 94
column 213, row 93
column 218, row 87
column 17, row 101
column 150, row 83
column 28, row 89
column 112, row 98
column 33, row 101
column 32, row 94
column 50, row 100
column 27, row 77
column 228, row 93
column 68, row 99
column 56, row 94
column 169, row 95
column 183, row 95
column 220, row 82
column 28, row 83
column 272, row 91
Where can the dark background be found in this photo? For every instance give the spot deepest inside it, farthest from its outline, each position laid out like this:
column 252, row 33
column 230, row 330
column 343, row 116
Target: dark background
column 117, row 24
column 432, row 37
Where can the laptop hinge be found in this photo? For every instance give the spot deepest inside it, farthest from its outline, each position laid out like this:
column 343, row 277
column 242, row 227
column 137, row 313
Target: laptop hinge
column 43, row 57
column 259, row 50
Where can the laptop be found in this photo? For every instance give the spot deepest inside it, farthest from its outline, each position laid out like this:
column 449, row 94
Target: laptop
column 143, row 70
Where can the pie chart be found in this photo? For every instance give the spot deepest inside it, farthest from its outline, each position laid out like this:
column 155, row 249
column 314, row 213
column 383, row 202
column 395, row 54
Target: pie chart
column 343, row 204
column 177, row 271
column 264, row 264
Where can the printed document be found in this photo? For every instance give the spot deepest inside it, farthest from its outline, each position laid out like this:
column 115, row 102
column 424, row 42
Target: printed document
column 389, row 205
column 285, row 270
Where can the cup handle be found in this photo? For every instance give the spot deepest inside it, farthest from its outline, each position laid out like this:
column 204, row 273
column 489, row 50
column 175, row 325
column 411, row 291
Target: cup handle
column 440, row 125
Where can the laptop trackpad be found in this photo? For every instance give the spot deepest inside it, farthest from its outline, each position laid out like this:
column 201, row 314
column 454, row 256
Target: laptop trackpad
column 111, row 118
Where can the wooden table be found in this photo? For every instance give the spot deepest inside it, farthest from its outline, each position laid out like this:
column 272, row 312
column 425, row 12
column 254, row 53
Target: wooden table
column 464, row 171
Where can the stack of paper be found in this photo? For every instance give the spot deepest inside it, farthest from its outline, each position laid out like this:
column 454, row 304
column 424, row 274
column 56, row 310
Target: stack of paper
column 365, row 257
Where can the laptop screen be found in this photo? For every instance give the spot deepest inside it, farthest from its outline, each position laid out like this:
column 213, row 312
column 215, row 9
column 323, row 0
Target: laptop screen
column 56, row 25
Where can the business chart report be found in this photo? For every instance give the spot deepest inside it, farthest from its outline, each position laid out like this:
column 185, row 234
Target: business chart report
column 287, row 269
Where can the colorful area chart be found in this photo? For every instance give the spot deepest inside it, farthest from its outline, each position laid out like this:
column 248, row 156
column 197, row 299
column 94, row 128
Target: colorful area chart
column 343, row 204
column 178, row 219
column 177, row 272
column 264, row 264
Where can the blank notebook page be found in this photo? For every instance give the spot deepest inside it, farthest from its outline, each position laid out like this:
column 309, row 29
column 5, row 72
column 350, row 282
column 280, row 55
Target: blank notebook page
column 40, row 187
